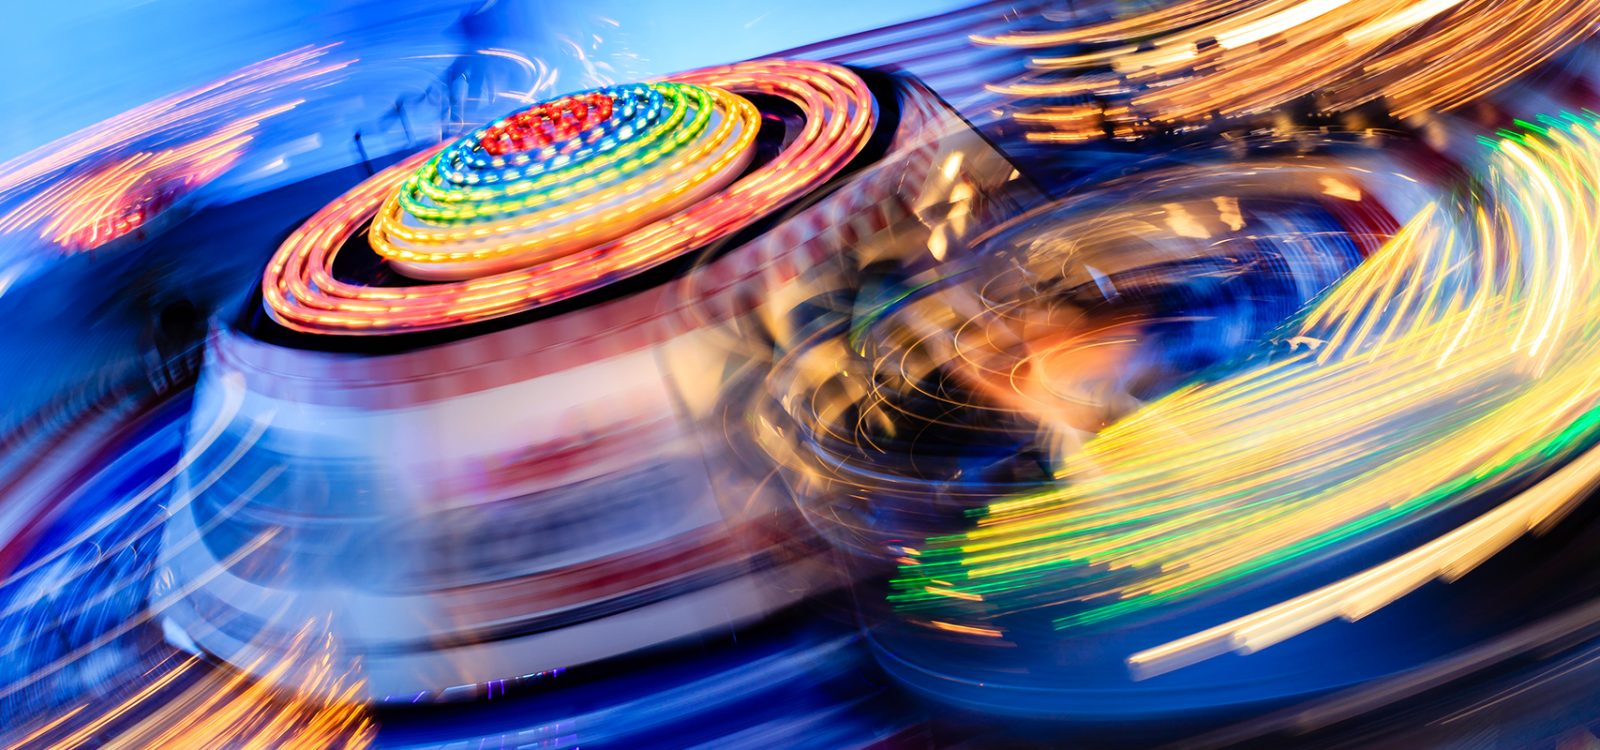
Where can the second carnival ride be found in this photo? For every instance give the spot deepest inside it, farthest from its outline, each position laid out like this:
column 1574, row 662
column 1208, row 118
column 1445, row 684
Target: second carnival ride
column 1137, row 450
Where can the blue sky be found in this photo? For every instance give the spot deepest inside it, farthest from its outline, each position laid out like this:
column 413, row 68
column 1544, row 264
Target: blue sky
column 74, row 63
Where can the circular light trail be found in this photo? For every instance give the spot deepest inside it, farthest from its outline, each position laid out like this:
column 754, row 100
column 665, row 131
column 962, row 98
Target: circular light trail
column 1454, row 365
column 1188, row 62
column 1083, row 310
column 568, row 196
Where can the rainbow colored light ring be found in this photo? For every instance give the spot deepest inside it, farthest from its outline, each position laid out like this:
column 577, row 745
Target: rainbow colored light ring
column 596, row 205
column 1453, row 366
column 301, row 293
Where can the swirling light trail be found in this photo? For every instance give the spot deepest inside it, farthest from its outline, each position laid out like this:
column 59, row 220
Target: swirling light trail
column 187, row 703
column 1188, row 62
column 85, row 211
column 174, row 115
column 1093, row 302
column 1456, row 363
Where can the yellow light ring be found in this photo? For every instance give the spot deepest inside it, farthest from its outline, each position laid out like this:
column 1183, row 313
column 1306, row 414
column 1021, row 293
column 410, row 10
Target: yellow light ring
column 301, row 293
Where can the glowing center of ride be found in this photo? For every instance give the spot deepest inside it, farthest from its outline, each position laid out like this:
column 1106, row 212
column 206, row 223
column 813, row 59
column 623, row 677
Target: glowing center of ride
column 542, row 125
column 565, row 175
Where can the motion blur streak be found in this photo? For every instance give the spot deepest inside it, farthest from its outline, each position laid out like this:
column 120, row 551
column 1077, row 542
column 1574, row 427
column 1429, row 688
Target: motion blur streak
column 178, row 116
column 189, row 704
column 1458, row 361
column 1551, row 634
column 1227, row 58
column 179, row 702
column 85, row 211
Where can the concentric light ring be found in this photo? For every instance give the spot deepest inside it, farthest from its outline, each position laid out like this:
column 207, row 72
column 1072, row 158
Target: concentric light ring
column 301, row 292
